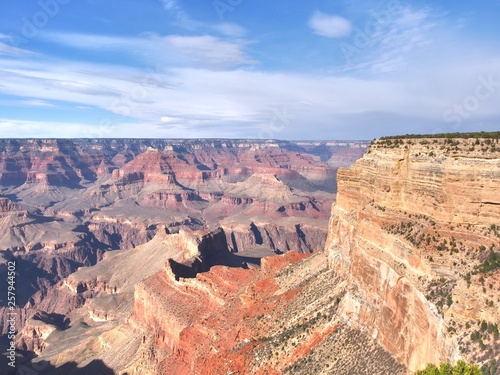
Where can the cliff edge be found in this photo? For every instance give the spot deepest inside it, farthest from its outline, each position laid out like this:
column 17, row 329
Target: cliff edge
column 414, row 223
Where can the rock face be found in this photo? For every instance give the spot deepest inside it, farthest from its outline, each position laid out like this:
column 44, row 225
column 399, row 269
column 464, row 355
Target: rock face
column 426, row 178
column 397, row 210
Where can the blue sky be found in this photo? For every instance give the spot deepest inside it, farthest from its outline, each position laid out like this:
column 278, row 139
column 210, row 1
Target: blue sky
column 279, row 69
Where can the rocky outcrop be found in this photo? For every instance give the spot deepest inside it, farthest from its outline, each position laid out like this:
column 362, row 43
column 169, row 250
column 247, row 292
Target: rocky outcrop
column 449, row 183
column 391, row 206
column 252, row 322
column 120, row 233
column 6, row 205
column 37, row 329
column 144, row 313
column 278, row 238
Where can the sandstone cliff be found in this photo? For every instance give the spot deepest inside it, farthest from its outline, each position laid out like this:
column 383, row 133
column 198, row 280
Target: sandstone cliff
column 412, row 221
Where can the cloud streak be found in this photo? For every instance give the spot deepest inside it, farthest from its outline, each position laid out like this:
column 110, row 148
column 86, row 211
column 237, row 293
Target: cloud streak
column 207, row 50
column 175, row 7
column 387, row 44
column 234, row 103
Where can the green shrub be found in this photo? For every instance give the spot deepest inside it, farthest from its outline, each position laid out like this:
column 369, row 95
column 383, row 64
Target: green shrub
column 490, row 264
column 449, row 136
column 461, row 368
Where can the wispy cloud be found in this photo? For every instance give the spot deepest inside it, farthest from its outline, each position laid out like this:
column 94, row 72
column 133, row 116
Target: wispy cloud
column 210, row 51
column 230, row 29
column 390, row 45
column 175, row 7
column 331, row 26
column 47, row 129
column 36, row 103
column 8, row 49
column 233, row 103
column 207, row 50
column 13, row 129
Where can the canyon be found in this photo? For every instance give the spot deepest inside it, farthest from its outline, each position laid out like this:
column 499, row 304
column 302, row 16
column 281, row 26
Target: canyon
column 255, row 257
column 64, row 204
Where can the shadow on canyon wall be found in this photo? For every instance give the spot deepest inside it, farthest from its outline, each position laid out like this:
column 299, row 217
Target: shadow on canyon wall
column 96, row 367
column 214, row 252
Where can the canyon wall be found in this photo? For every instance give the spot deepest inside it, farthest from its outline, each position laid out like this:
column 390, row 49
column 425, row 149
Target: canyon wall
column 392, row 208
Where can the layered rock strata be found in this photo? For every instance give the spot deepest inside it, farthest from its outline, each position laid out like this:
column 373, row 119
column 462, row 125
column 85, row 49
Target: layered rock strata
column 65, row 203
column 412, row 220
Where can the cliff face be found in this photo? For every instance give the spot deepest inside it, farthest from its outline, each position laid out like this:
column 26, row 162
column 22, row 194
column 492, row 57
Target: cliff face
column 428, row 178
column 408, row 218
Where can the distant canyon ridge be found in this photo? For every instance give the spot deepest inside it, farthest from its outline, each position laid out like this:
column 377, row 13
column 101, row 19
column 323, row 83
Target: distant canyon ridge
column 65, row 203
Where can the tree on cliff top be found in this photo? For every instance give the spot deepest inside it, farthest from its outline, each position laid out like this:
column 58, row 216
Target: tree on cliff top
column 461, row 368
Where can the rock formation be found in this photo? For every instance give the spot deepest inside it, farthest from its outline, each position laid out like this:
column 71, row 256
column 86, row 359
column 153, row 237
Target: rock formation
column 410, row 273
column 184, row 304
column 408, row 226
column 65, row 203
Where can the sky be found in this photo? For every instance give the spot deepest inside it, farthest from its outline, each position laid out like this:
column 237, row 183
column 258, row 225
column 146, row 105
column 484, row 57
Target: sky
column 259, row 69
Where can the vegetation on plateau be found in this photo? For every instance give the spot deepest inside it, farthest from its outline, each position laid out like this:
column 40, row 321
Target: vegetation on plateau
column 494, row 135
column 491, row 263
column 461, row 368
column 447, row 142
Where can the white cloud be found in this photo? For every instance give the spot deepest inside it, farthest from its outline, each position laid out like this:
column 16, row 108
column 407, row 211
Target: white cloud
column 204, row 103
column 169, row 4
column 7, row 47
column 180, row 14
column 330, row 26
column 167, row 119
column 206, row 50
column 36, row 103
column 23, row 128
column 230, row 29
column 209, row 51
